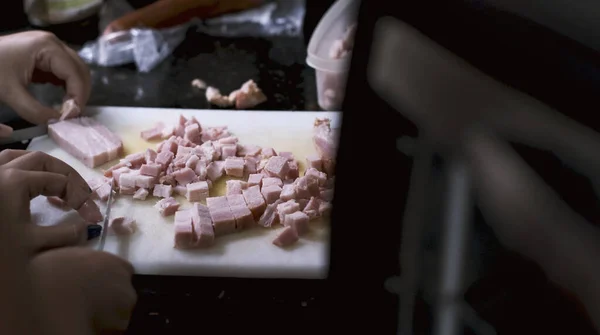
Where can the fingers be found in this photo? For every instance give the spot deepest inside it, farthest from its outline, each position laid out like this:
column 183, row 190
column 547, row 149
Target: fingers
column 10, row 154
column 28, row 107
column 5, row 131
column 62, row 235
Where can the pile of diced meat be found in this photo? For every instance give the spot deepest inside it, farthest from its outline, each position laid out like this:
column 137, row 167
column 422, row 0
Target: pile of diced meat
column 343, row 46
column 265, row 189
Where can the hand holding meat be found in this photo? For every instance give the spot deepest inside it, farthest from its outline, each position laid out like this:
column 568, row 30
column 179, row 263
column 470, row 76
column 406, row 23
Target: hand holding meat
column 39, row 57
column 82, row 291
column 25, row 175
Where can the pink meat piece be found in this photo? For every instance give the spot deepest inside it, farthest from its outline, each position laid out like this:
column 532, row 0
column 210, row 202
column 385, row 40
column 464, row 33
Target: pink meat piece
column 228, row 150
column 94, row 183
column 180, row 190
column 271, row 193
column 287, row 154
column 269, row 217
column 307, row 186
column 182, row 120
column 286, row 208
column 325, row 209
column 184, row 176
column 249, row 96
column 204, row 234
column 87, row 140
column 201, row 170
column 254, row 200
column 150, row 156
column 324, row 139
column 255, row 179
column 103, row 192
column 315, row 162
column 197, row 191
column 127, row 180
column 192, row 133
column 320, row 176
column 248, row 150
column 179, row 130
column 215, row 133
column 184, row 142
column 261, row 165
column 136, row 160
column 126, row 190
column 192, row 161
column 164, row 158
column 145, row 181
column 287, row 237
column 293, row 170
column 329, row 166
column 167, row 132
column 243, row 215
column 312, row 208
column 58, row 202
column 302, row 203
column 267, row 153
column 221, row 215
column 169, row 145
column 183, row 151
column 268, row 181
column 249, row 165
column 167, row 179
column 162, row 191
column 167, row 206
column 151, row 169
column 184, row 230
column 153, row 133
column 229, row 140
column 109, row 172
column 207, row 150
column 141, row 194
column 90, row 212
column 298, row 221
column 122, row 225
column 235, row 187
column 215, row 170
column 288, row 192
column 277, row 167
column 327, row 194
column 69, row 109
column 234, row 166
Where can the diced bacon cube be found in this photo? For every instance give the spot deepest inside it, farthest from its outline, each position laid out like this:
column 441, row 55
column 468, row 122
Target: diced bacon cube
column 121, row 164
column 298, row 221
column 180, row 190
column 221, row 215
column 254, row 200
column 293, row 170
column 287, row 237
column 197, row 191
column 185, row 143
column 185, row 176
column 167, row 179
column 288, row 192
column 164, row 158
column 122, row 226
column 201, row 170
column 150, row 169
column 271, row 193
column 203, row 228
column 234, row 166
column 243, row 216
column 269, row 216
column 248, row 150
column 192, row 161
column 288, row 155
column 215, row 170
column 136, row 160
column 327, row 194
column 306, row 187
column 228, row 150
column 167, row 206
column 272, row 181
column 150, row 156
column 320, row 176
column 167, row 132
column 312, row 208
column 184, row 230
column 207, row 150
column 153, row 133
column 215, row 133
column 325, row 209
column 302, row 203
column 286, row 208
column 103, row 192
column 182, row 120
column 235, row 187
column 127, row 180
column 179, row 162
column 329, row 167
column 267, row 153
column 277, row 167
column 249, row 165
column 228, row 140
column 315, row 162
column 162, row 191
column 168, row 146
column 255, row 179
column 125, row 190
column 141, row 194
column 192, row 133
column 183, row 151
column 218, row 150
column 179, row 130
column 145, row 181
column 261, row 165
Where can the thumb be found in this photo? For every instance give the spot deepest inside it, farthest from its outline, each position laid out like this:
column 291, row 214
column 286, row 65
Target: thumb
column 61, row 235
column 5, row 130
column 28, row 107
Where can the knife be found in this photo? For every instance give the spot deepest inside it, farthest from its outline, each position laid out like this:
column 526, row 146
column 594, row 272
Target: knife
column 107, row 216
column 25, row 134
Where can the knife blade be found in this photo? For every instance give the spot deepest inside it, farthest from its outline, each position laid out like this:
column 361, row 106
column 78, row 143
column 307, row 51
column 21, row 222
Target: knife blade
column 107, row 216
column 25, row 134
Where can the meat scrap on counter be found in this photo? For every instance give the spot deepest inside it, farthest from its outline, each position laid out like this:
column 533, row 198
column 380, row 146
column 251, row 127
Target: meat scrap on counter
column 343, row 46
column 247, row 96
column 267, row 189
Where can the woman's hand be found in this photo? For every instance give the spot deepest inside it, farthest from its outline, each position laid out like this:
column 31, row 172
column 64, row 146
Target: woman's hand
column 39, row 57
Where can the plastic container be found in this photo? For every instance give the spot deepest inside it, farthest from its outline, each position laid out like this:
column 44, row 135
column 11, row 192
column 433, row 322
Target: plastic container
column 331, row 74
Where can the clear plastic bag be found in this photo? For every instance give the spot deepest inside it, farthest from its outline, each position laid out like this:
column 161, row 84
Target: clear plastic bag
column 148, row 47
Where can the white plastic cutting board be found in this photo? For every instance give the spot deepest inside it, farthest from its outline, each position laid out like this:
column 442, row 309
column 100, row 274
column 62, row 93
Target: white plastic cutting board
column 246, row 254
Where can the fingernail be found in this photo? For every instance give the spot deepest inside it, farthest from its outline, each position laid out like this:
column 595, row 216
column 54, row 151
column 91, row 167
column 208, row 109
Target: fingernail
column 93, row 231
